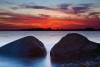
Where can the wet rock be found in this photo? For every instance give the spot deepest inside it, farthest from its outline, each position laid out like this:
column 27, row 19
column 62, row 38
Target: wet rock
column 74, row 47
column 25, row 47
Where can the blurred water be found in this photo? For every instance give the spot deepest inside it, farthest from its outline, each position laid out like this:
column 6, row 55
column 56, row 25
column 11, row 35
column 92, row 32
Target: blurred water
column 49, row 38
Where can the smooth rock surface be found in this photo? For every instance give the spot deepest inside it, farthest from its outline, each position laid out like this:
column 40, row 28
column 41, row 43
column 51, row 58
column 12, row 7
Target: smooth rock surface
column 74, row 47
column 28, row 46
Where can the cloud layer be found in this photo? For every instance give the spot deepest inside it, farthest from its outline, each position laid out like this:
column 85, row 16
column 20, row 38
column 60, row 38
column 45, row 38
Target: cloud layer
column 66, row 16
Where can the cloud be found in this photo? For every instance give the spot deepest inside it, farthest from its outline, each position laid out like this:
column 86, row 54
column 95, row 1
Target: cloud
column 10, row 17
column 65, row 10
column 86, row 5
column 94, row 13
column 4, row 27
column 7, row 13
column 37, row 7
column 80, row 9
column 64, row 6
column 44, row 16
column 32, row 15
column 16, row 17
column 17, row 21
column 5, row 2
column 24, row 22
column 82, row 23
column 32, row 7
column 70, row 10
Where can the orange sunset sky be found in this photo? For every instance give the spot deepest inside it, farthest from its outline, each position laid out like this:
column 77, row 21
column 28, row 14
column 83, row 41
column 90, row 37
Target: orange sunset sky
column 54, row 14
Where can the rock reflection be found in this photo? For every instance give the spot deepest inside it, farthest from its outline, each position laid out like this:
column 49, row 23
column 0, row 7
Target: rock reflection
column 21, row 62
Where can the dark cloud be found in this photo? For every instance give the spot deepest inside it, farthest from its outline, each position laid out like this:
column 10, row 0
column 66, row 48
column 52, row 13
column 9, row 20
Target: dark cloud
column 80, row 9
column 32, row 7
column 13, row 17
column 44, row 16
column 4, row 13
column 17, row 21
column 64, row 6
column 3, row 10
column 86, row 5
column 14, row 8
column 84, row 23
column 5, row 2
column 7, row 26
column 36, row 7
column 94, row 13
column 75, row 9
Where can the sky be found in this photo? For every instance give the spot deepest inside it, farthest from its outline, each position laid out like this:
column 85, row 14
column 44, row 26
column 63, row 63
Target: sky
column 54, row 14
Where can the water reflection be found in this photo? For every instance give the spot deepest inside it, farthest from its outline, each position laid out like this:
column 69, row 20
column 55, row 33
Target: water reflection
column 22, row 62
column 28, row 62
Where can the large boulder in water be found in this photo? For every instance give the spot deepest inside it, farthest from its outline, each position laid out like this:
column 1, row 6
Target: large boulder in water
column 25, row 47
column 74, row 47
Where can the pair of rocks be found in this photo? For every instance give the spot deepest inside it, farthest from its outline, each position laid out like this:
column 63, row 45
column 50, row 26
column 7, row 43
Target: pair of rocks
column 71, row 48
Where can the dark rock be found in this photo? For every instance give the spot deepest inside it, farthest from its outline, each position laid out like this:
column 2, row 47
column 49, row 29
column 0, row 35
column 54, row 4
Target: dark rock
column 74, row 47
column 25, row 47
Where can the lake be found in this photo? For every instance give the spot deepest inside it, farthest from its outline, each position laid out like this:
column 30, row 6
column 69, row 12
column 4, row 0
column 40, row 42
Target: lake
column 49, row 39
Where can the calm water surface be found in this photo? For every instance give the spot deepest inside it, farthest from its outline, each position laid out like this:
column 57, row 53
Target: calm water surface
column 49, row 38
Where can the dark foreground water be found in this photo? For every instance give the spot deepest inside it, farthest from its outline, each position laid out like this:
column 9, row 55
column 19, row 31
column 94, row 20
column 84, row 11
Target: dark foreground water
column 49, row 38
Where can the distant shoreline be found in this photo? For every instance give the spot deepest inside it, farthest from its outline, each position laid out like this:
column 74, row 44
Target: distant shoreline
column 49, row 29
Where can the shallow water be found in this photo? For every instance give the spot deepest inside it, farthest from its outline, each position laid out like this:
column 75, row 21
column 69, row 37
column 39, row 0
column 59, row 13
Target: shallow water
column 49, row 38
